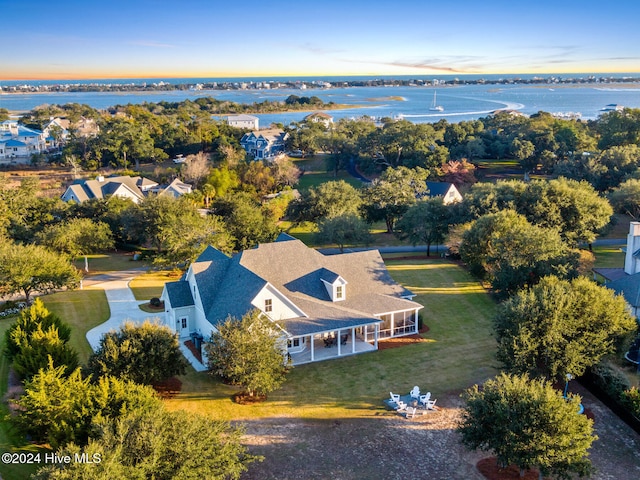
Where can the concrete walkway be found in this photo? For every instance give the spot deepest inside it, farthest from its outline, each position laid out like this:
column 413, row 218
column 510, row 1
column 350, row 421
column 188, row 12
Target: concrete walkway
column 124, row 307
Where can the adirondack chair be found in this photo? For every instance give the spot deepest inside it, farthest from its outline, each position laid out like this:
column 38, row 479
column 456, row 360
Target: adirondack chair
column 415, row 392
column 423, row 399
column 431, row 404
column 401, row 406
column 395, row 398
column 410, row 412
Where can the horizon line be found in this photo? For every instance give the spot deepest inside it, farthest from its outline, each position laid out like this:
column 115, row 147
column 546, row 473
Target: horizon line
column 305, row 75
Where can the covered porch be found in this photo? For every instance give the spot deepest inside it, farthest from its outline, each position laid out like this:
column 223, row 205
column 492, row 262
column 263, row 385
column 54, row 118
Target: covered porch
column 330, row 344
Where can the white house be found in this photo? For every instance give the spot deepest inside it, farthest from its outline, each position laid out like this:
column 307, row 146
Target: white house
column 327, row 305
column 319, row 117
column 18, row 141
column 626, row 281
column 243, row 121
column 264, row 143
column 447, row 191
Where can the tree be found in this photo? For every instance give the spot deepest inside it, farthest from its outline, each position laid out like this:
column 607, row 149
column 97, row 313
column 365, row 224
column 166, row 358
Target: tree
column 343, row 230
column 425, row 222
column 60, row 407
column 248, row 352
column 327, row 200
column 38, row 338
column 246, row 221
column 223, row 179
column 509, row 252
column 157, row 444
column 195, row 169
column 559, row 327
column 147, row 354
column 78, row 236
column 391, row 195
column 33, row 268
column 626, row 198
column 527, row 423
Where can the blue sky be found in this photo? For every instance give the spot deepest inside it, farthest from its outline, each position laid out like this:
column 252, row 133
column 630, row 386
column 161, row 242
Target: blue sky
column 212, row 38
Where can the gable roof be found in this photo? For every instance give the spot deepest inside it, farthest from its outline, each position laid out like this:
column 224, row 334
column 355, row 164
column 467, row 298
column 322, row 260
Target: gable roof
column 104, row 187
column 627, row 286
column 179, row 294
column 438, row 189
column 228, row 285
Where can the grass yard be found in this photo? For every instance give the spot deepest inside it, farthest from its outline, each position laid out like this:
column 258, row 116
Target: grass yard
column 99, row 264
column 315, row 172
column 83, row 310
column 460, row 353
column 150, row 284
column 609, row 256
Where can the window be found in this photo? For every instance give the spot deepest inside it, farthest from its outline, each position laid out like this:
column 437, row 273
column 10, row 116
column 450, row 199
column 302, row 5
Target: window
column 339, row 291
column 184, row 322
column 268, row 305
column 293, row 343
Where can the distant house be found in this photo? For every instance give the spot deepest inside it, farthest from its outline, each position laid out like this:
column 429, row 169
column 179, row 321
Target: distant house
column 243, row 121
column 326, row 306
column 447, row 191
column 56, row 132
column 134, row 188
column 626, row 281
column 18, row 141
column 264, row 143
column 319, row 117
column 176, row 189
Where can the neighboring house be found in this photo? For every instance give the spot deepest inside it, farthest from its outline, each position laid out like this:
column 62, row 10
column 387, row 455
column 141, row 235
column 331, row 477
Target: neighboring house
column 327, row 306
column 56, row 132
column 447, row 191
column 264, row 143
column 19, row 141
column 626, row 281
column 175, row 189
column 104, row 187
column 319, row 117
column 243, row 121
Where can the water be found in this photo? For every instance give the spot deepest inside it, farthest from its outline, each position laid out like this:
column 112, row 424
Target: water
column 465, row 102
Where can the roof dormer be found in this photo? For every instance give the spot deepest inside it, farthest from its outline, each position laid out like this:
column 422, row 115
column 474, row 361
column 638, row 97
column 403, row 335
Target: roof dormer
column 336, row 285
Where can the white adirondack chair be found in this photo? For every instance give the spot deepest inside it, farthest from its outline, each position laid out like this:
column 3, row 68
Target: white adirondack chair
column 410, row 412
column 415, row 392
column 395, row 398
column 424, row 399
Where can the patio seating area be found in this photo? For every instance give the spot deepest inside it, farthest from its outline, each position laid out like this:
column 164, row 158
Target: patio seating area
column 332, row 346
column 411, row 404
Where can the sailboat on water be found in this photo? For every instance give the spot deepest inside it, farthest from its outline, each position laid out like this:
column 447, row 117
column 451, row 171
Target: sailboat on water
column 434, row 106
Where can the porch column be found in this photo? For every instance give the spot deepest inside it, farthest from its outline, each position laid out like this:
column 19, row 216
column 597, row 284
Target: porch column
column 366, row 339
column 312, row 353
column 375, row 335
column 415, row 319
column 393, row 325
column 353, row 339
column 338, row 341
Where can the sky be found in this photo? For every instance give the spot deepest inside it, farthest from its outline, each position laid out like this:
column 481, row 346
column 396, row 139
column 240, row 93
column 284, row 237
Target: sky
column 213, row 38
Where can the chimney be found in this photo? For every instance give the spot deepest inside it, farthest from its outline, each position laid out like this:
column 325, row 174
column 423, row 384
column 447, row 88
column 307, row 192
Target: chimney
column 100, row 179
column 631, row 262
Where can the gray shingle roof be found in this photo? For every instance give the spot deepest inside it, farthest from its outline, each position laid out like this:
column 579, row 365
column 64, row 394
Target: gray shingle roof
column 179, row 294
column 228, row 285
column 629, row 287
column 438, row 189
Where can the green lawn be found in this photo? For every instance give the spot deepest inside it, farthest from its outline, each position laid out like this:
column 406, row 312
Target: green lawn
column 108, row 263
column 83, row 310
column 315, row 173
column 150, row 284
column 609, row 256
column 460, row 353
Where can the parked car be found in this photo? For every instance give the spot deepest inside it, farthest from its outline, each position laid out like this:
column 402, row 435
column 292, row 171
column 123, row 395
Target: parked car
column 179, row 159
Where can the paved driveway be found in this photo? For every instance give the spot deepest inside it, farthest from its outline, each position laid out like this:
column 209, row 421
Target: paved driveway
column 123, row 307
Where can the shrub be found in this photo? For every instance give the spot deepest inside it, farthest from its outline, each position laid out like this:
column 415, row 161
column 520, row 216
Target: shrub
column 155, row 302
column 611, row 380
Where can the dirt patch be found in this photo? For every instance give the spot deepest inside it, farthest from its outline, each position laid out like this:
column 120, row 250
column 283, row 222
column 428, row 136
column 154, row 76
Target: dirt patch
column 489, row 469
column 384, row 445
column 243, row 398
column 169, row 388
column 402, row 341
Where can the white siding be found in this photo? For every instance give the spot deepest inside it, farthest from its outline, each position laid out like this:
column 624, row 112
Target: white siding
column 282, row 308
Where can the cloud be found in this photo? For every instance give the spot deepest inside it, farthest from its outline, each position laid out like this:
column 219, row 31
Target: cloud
column 308, row 47
column 450, row 64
